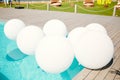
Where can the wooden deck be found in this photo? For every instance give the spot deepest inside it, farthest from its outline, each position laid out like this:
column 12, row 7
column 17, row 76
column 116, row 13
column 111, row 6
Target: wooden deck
column 112, row 24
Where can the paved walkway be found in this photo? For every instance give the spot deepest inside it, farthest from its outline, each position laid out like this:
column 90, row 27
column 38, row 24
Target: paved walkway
column 37, row 17
column 72, row 20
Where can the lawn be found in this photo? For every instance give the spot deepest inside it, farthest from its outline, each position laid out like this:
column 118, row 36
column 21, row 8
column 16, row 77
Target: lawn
column 69, row 7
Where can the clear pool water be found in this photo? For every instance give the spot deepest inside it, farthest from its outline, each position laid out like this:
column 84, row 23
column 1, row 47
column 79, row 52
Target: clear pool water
column 14, row 65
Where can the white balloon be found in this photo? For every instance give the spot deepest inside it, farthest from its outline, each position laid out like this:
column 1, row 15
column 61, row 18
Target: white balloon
column 96, row 27
column 94, row 50
column 55, row 27
column 54, row 54
column 75, row 34
column 28, row 39
column 13, row 27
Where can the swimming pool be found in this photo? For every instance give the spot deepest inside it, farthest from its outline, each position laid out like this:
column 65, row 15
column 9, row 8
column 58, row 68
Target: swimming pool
column 17, row 66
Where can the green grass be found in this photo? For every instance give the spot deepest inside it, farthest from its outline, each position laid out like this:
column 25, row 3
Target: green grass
column 69, row 7
column 98, row 9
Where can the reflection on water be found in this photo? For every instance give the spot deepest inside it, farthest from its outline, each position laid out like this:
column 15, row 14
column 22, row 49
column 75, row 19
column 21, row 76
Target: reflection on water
column 15, row 55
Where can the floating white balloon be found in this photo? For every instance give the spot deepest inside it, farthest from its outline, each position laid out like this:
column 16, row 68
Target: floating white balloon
column 13, row 27
column 55, row 27
column 96, row 27
column 28, row 39
column 75, row 34
column 54, row 54
column 94, row 50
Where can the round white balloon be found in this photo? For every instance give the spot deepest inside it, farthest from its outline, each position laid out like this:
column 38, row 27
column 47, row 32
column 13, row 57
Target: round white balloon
column 54, row 54
column 13, row 27
column 75, row 34
column 94, row 50
column 96, row 27
column 28, row 39
column 55, row 27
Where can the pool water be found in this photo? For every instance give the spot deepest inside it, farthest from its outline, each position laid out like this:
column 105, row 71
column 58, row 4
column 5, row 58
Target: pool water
column 14, row 65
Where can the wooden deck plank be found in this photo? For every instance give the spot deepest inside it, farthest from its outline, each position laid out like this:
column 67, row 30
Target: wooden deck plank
column 116, row 41
column 117, row 77
column 116, row 66
column 82, row 74
column 92, row 75
column 117, row 35
column 111, row 31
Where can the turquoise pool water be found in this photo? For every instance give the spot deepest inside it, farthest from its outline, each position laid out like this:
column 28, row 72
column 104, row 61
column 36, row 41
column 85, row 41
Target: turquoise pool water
column 16, row 66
